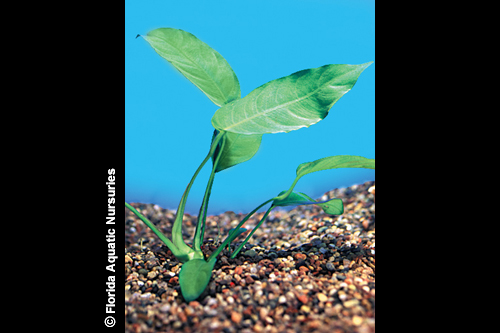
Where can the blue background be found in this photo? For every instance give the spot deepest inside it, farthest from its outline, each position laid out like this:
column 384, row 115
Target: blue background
column 167, row 119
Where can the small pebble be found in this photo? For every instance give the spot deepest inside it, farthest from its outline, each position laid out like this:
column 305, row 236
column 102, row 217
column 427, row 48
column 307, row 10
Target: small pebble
column 250, row 253
column 305, row 308
column 236, row 317
column 330, row 266
column 357, row 320
column 351, row 303
column 300, row 256
column 165, row 308
column 303, row 298
column 320, row 230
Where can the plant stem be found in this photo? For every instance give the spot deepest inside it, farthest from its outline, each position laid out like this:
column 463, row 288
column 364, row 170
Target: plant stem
column 229, row 238
column 177, row 227
column 200, row 226
column 287, row 193
column 238, row 249
column 157, row 232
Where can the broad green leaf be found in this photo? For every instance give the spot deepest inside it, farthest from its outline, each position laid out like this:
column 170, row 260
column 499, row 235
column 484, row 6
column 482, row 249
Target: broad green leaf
column 194, row 277
column 289, row 103
column 239, row 148
column 198, row 62
column 331, row 206
column 335, row 162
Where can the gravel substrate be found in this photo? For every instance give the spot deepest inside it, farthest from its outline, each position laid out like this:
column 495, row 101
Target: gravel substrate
column 303, row 271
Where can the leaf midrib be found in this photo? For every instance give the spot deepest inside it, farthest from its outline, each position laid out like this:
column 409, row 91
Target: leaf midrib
column 284, row 105
column 270, row 110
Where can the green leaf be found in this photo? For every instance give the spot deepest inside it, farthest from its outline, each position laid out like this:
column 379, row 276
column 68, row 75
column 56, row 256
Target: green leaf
column 289, row 103
column 198, row 62
column 335, row 162
column 194, row 277
column 331, row 162
column 331, row 206
column 238, row 148
column 293, row 199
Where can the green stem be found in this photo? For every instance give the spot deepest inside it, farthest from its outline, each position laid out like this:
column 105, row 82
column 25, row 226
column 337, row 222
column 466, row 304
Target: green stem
column 200, row 226
column 229, row 238
column 177, row 227
column 287, row 193
column 238, row 249
column 157, row 232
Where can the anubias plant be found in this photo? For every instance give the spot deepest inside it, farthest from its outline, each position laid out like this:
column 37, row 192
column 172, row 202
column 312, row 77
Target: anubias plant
column 283, row 105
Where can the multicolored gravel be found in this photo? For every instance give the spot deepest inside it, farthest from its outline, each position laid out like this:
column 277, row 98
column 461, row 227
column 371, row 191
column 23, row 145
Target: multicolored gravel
column 303, row 271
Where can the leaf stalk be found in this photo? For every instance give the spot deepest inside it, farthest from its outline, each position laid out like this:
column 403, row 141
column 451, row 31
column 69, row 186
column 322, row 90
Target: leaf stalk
column 200, row 226
column 177, row 227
